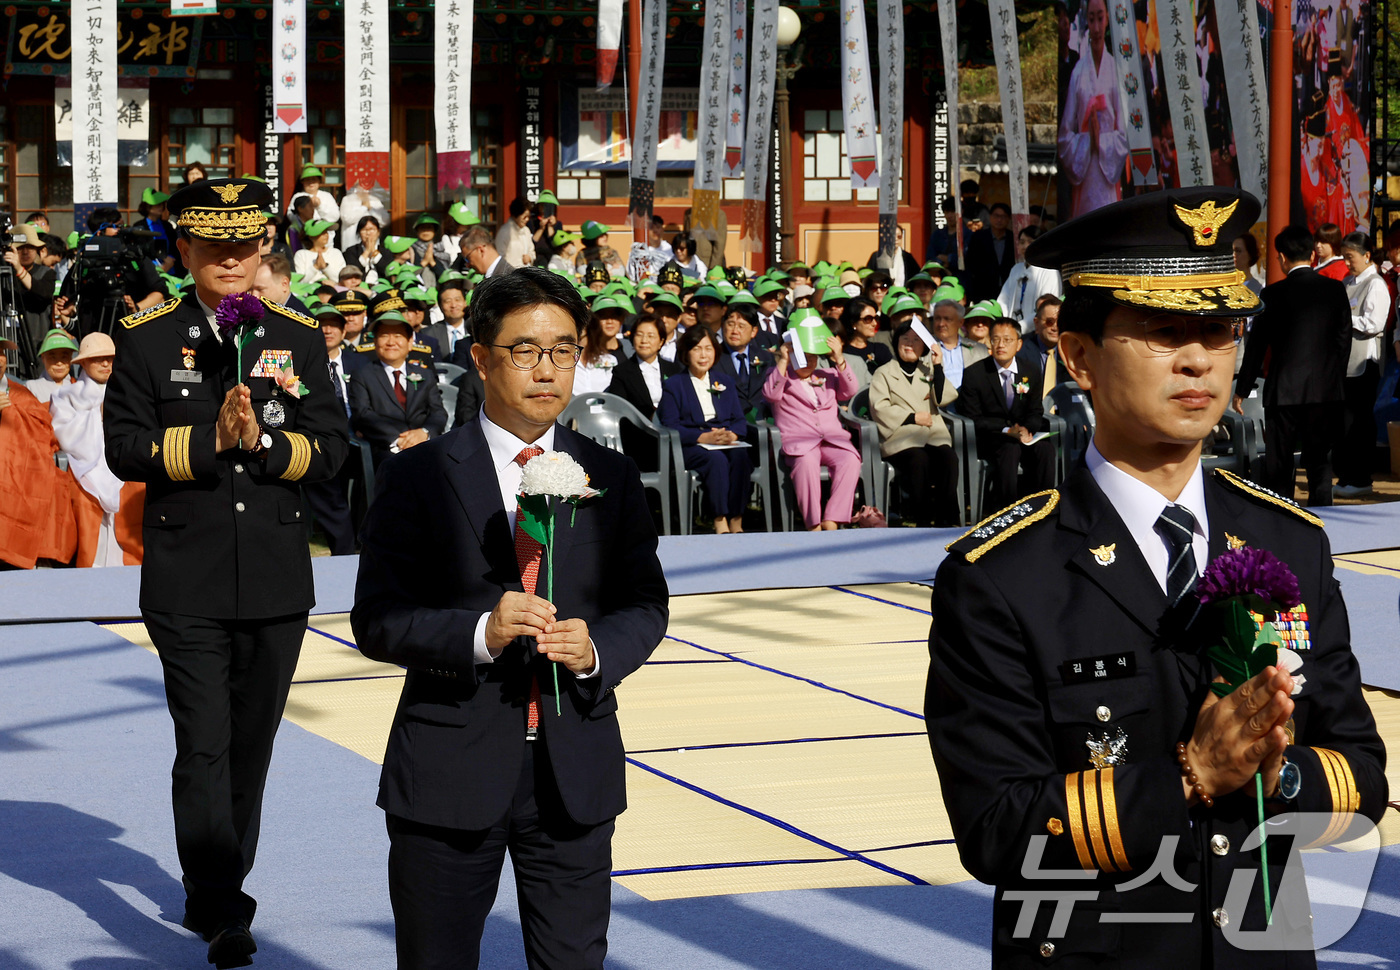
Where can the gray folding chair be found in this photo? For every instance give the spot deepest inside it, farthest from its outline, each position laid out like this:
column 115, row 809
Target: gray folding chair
column 447, row 373
column 601, row 417
column 449, row 403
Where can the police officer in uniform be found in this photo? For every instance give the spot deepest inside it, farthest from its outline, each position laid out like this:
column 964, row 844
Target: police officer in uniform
column 226, row 584
column 1079, row 748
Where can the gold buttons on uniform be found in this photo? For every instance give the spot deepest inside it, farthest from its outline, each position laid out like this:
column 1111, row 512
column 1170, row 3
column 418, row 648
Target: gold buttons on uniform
column 1221, row 918
column 239, row 507
column 1219, row 844
column 1047, row 949
column 1103, row 713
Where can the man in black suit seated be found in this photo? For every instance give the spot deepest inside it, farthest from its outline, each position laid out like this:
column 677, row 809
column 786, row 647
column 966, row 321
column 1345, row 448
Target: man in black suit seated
column 486, row 754
column 743, row 358
column 1305, row 330
column 395, row 403
column 1000, row 394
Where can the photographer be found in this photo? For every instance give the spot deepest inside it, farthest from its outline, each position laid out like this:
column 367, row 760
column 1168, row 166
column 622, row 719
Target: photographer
column 110, row 279
column 35, row 284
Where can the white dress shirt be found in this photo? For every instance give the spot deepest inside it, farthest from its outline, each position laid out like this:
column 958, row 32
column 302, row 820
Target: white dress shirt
column 1370, row 310
column 402, row 370
column 952, row 363
column 651, row 373
column 1139, row 505
column 504, row 448
column 454, row 334
column 702, row 391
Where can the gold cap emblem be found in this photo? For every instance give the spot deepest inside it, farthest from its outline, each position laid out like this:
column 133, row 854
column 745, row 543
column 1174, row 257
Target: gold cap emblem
column 1104, row 555
column 1235, row 542
column 229, row 193
column 1205, row 221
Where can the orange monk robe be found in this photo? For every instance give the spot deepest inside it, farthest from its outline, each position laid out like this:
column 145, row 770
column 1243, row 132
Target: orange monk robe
column 36, row 512
column 87, row 513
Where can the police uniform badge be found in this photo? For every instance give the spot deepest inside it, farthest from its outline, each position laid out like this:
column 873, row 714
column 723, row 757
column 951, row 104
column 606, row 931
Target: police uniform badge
column 222, row 209
column 1105, row 751
column 1105, row 555
column 187, row 358
column 194, row 333
column 274, row 414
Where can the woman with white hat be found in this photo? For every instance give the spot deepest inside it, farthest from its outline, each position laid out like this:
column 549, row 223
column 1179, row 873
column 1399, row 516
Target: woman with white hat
column 108, row 511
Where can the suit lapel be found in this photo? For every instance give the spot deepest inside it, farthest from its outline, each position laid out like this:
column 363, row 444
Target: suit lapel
column 1120, row 571
column 379, row 377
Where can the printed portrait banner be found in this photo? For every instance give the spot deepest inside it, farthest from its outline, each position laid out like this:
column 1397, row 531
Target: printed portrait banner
column 890, row 25
column 94, row 78
column 1242, row 56
column 452, row 91
column 762, row 84
column 1182, row 82
column 609, row 40
column 1124, row 40
column 734, row 136
column 948, row 29
column 367, row 93
column 289, row 65
column 714, row 105
column 1007, row 51
column 857, row 105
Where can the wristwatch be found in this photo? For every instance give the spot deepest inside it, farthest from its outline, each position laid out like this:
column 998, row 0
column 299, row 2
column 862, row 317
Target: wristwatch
column 262, row 445
column 1290, row 781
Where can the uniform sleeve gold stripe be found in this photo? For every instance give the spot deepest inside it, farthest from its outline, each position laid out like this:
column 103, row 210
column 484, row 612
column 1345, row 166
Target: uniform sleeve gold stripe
column 1346, row 777
column 1110, row 818
column 1329, row 770
column 177, row 454
column 1076, row 820
column 301, row 456
column 1348, row 801
column 1091, row 814
column 185, row 434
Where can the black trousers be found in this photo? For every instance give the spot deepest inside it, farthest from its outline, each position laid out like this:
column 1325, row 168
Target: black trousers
column 1356, row 452
column 443, row 881
column 331, row 509
column 1311, row 428
column 226, row 684
column 725, row 476
column 928, row 476
column 1003, row 453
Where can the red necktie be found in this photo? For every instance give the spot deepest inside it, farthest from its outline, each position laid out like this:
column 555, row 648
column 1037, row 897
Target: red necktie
column 399, row 392
column 527, row 557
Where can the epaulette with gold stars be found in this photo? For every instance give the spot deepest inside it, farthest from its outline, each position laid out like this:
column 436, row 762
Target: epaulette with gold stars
column 996, row 529
column 1263, row 496
column 149, row 314
column 289, row 313
column 365, row 349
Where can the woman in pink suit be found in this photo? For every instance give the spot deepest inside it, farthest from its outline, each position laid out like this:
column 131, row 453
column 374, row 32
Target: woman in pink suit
column 803, row 401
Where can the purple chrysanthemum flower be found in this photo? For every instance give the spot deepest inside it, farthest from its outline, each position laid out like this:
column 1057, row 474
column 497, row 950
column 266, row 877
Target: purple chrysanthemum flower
column 236, row 309
column 1246, row 571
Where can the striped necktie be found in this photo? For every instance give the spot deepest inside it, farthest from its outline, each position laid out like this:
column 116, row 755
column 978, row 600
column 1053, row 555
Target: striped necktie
column 1177, row 525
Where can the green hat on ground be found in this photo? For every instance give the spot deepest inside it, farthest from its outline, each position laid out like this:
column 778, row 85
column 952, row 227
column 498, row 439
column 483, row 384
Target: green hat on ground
column 743, row 297
column 592, row 230
column 811, row 330
column 312, row 172
column 460, row 214
column 57, row 339
column 987, row 309
column 561, row 238
column 153, row 196
column 317, row 226
column 765, row 287
column 709, row 292
column 397, row 244
column 427, row 219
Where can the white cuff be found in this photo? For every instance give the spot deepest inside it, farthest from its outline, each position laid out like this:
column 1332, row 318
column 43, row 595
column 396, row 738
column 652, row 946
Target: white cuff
column 481, row 651
column 597, row 664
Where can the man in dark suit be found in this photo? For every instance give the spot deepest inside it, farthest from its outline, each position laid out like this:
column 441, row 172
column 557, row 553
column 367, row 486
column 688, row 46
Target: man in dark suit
column 328, row 500
column 395, row 403
column 1001, row 395
column 991, row 255
column 470, row 393
column 742, row 358
column 479, row 253
column 1081, row 752
column 226, row 582
column 452, row 331
column 1304, row 332
column 485, row 754
column 1042, row 343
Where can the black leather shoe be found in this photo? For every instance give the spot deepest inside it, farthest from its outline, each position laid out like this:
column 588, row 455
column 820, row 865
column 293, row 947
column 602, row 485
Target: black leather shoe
column 197, row 926
column 232, row 946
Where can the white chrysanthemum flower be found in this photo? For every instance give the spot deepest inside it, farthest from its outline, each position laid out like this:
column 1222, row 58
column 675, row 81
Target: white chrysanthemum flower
column 553, row 473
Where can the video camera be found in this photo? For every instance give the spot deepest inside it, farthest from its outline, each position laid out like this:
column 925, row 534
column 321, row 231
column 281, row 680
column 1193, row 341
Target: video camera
column 104, row 271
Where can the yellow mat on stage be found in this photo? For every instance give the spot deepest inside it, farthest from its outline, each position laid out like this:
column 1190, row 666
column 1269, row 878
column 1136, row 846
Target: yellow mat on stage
column 773, row 740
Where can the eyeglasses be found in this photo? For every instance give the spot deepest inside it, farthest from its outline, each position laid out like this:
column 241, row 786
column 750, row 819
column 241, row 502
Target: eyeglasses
column 1166, row 334
column 528, row 356
column 1005, row 341
column 869, row 318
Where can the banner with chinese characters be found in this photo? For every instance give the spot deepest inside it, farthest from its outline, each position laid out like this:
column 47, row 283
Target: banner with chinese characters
column 714, row 105
column 889, row 25
column 270, row 158
column 609, row 40
column 94, row 78
column 1242, row 57
column 40, row 42
column 531, row 143
column 452, row 92
column 738, row 60
column 857, row 106
column 367, row 93
column 762, row 84
column 133, row 107
column 289, row 64
column 948, row 31
column 644, row 140
column 1124, row 34
column 1182, row 84
column 1007, row 51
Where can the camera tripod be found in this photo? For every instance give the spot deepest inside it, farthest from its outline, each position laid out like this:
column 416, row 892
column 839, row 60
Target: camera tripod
column 13, row 326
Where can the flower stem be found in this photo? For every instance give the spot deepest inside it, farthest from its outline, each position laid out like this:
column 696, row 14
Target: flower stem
column 549, row 595
column 1263, row 847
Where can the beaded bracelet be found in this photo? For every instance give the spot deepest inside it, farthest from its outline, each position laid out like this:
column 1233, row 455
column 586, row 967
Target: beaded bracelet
column 1190, row 774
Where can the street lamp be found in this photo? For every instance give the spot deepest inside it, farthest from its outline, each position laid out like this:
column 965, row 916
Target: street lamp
column 789, row 27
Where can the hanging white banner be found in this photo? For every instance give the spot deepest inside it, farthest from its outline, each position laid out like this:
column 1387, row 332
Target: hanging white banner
column 644, row 137
column 889, row 24
column 1007, row 51
column 857, row 106
column 734, row 138
column 94, row 78
column 1181, row 82
column 762, row 84
column 367, row 76
column 948, row 29
column 714, row 96
column 1132, row 93
column 609, row 40
column 289, row 55
column 1241, row 51
column 452, row 65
